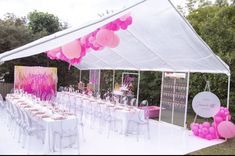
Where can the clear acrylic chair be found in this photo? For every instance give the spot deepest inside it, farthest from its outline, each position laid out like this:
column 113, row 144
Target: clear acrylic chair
column 97, row 113
column 133, row 102
column 31, row 129
column 12, row 117
column 124, row 100
column 1, row 102
column 143, row 119
column 68, row 129
column 79, row 112
column 2, row 106
column 88, row 110
column 108, row 118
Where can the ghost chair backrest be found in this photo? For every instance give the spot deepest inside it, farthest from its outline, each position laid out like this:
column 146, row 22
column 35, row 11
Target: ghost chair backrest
column 133, row 102
column 144, row 103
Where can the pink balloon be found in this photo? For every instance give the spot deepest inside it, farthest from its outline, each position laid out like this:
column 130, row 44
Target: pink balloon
column 91, row 39
column 83, row 39
column 201, row 135
column 52, row 53
column 209, row 137
column 72, row 50
column 226, row 113
column 212, row 130
column 104, row 37
column 123, row 26
column 95, row 44
column 194, row 128
column 204, row 131
column 118, row 21
column 200, row 126
column 191, row 125
column 197, row 124
column 58, row 55
column 95, row 48
column 221, row 112
column 124, row 17
column 218, row 119
column 226, row 129
column 206, row 124
column 129, row 20
column 114, row 42
column 195, row 132
column 114, row 26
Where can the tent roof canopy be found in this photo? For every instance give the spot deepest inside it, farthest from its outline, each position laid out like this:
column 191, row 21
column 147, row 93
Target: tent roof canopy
column 159, row 39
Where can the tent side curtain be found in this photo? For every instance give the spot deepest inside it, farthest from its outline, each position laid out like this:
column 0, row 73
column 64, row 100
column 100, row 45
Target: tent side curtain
column 159, row 39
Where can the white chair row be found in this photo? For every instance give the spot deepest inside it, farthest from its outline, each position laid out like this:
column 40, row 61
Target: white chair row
column 24, row 125
column 94, row 114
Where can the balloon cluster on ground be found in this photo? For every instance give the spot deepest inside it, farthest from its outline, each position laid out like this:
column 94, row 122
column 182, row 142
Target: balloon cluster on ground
column 220, row 128
column 105, row 36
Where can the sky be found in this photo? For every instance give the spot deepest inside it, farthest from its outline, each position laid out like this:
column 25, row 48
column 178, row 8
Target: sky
column 64, row 9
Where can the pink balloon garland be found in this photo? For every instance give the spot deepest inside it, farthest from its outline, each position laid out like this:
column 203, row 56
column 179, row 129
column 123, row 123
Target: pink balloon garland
column 97, row 40
column 220, row 126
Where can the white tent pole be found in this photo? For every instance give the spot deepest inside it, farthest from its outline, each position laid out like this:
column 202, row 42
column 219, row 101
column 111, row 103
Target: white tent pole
column 113, row 79
column 186, row 102
column 173, row 105
column 99, row 82
column 80, row 75
column 138, row 89
column 122, row 78
column 228, row 91
column 160, row 112
column 89, row 76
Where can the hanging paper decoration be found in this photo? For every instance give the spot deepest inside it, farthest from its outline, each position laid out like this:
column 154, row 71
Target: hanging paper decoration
column 97, row 40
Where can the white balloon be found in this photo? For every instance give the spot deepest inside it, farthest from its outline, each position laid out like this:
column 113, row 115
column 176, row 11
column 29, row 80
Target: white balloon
column 206, row 104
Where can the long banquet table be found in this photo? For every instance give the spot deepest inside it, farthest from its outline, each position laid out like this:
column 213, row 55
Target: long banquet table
column 121, row 112
column 48, row 116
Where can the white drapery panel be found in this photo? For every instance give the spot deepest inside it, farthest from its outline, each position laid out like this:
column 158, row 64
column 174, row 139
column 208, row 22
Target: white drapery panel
column 159, row 39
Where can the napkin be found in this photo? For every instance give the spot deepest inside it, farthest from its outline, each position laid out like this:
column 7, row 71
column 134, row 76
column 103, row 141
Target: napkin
column 59, row 118
column 38, row 113
column 27, row 106
column 45, row 116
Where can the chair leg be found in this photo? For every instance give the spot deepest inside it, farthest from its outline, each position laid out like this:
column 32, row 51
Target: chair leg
column 78, row 145
column 83, row 136
column 53, row 146
column 14, row 131
column 148, row 129
column 28, row 144
column 60, row 145
column 24, row 139
column 138, row 129
column 19, row 135
column 109, row 127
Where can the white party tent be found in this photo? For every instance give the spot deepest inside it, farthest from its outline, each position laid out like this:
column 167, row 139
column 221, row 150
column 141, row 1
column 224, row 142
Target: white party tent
column 159, row 39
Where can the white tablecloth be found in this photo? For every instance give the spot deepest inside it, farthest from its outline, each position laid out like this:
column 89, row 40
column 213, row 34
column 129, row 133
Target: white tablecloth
column 50, row 124
column 121, row 112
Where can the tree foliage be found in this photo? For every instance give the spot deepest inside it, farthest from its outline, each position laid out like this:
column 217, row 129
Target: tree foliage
column 215, row 23
column 18, row 31
column 43, row 22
